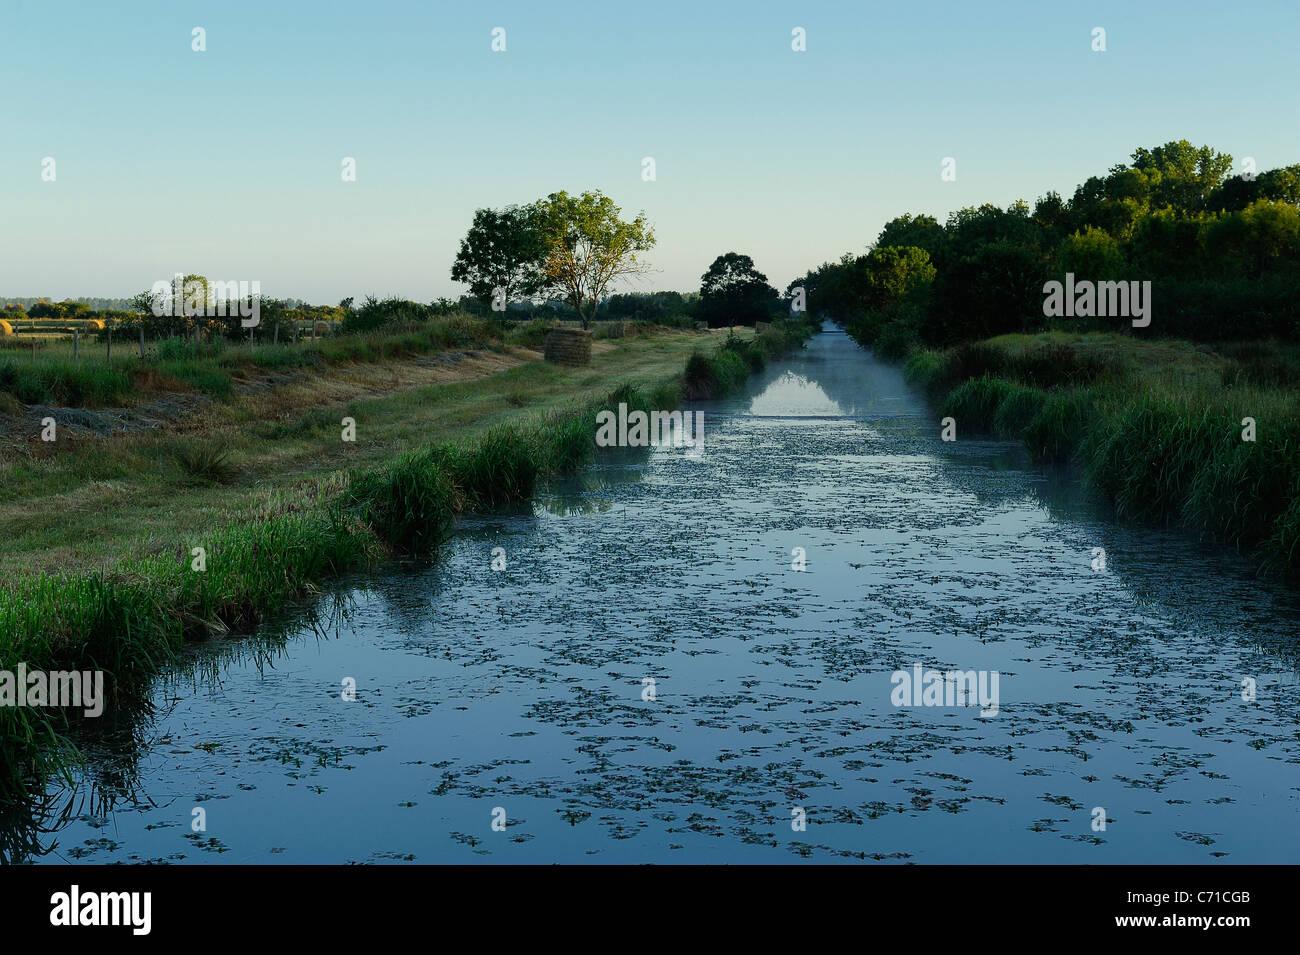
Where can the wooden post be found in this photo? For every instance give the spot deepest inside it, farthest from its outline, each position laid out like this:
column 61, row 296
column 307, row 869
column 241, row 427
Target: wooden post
column 142, row 342
column 76, row 342
column 109, row 356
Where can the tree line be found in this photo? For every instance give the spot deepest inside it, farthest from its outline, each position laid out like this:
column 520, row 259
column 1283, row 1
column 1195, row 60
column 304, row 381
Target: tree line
column 1222, row 252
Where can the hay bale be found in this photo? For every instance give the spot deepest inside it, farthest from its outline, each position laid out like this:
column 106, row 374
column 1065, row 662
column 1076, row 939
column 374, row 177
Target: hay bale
column 568, row 346
column 96, row 323
column 5, row 328
column 322, row 329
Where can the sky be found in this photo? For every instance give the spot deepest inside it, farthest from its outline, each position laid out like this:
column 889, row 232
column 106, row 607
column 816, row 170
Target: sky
column 227, row 162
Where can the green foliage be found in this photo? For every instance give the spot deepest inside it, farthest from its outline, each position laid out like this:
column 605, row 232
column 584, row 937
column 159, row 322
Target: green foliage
column 1093, row 255
column 994, row 290
column 409, row 504
column 375, row 314
column 85, row 384
column 734, row 292
column 1018, row 409
column 1222, row 254
column 504, row 249
column 1055, row 432
column 975, row 404
column 588, row 246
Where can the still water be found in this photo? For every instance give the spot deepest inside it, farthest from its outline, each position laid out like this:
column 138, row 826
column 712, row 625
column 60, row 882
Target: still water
column 522, row 695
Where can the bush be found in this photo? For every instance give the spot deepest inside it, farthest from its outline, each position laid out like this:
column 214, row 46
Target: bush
column 378, row 313
column 713, row 377
column 530, row 334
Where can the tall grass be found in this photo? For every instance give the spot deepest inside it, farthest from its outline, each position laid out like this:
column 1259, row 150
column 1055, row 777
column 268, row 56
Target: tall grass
column 59, row 382
column 1163, row 445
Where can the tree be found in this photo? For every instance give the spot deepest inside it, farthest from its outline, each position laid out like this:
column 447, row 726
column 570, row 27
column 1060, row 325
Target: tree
column 44, row 309
column 1093, row 255
column 995, row 291
column 893, row 273
column 1179, row 175
column 588, row 246
column 735, row 293
column 503, row 249
column 921, row 232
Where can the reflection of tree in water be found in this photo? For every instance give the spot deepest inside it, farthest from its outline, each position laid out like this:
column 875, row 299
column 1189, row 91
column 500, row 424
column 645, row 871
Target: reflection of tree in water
column 103, row 770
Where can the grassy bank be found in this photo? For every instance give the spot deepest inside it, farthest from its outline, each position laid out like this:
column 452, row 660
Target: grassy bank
column 1156, row 426
column 50, row 375
column 302, row 530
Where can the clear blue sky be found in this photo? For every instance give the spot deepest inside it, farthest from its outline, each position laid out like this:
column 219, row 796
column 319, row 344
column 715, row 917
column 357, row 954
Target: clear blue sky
column 227, row 162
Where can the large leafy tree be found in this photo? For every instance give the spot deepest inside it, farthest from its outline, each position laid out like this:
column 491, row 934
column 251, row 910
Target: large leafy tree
column 1179, row 175
column 504, row 249
column 589, row 246
column 733, row 292
column 921, row 232
column 893, row 273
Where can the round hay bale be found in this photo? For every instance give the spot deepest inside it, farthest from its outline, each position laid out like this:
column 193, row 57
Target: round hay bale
column 322, row 328
column 95, row 323
column 568, row 346
column 5, row 328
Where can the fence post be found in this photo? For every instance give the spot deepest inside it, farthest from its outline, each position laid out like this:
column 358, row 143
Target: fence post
column 109, row 356
column 76, row 343
column 142, row 342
